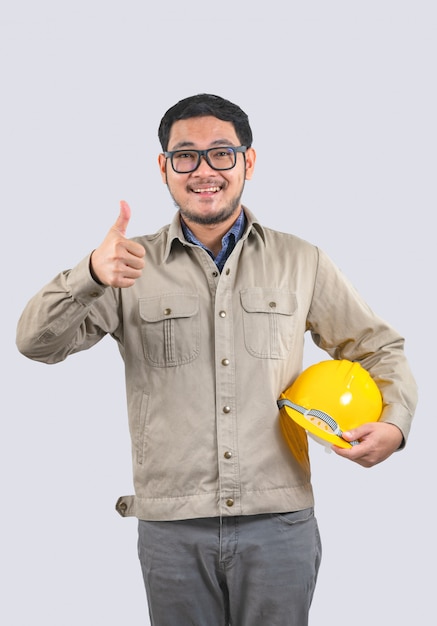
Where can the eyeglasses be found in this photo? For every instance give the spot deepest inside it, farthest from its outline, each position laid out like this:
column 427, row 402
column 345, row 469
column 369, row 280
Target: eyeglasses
column 186, row 161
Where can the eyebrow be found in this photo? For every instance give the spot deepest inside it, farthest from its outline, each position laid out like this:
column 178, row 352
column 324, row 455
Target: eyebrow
column 190, row 144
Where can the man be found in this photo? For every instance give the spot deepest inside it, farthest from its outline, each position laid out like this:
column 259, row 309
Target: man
column 209, row 315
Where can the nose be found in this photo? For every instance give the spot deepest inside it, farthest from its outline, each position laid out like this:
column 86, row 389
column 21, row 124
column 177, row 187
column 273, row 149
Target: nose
column 203, row 166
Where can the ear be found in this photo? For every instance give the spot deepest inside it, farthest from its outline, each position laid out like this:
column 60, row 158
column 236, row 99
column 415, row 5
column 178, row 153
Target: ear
column 162, row 162
column 250, row 162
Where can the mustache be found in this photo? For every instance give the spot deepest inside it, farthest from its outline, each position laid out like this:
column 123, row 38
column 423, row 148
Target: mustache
column 206, row 182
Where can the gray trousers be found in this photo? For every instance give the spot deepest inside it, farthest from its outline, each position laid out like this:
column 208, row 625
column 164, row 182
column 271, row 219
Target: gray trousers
column 257, row 570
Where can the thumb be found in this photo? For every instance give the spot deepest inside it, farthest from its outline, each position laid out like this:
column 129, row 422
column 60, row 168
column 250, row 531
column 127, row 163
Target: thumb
column 123, row 218
column 355, row 434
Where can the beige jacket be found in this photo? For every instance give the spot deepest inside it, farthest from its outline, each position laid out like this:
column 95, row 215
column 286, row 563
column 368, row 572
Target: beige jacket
column 207, row 356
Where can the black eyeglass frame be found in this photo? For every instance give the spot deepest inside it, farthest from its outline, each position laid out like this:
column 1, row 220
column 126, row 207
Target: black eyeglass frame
column 204, row 153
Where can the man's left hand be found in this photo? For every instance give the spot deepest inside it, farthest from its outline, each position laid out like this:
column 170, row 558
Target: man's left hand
column 378, row 440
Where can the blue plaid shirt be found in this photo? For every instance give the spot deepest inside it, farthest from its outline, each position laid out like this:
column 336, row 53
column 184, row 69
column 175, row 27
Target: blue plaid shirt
column 228, row 241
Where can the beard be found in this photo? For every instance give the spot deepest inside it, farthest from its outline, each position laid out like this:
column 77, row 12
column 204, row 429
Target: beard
column 218, row 217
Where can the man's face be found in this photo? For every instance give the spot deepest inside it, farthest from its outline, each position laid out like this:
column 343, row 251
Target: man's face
column 206, row 196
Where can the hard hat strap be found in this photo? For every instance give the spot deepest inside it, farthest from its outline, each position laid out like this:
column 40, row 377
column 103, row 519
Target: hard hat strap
column 313, row 413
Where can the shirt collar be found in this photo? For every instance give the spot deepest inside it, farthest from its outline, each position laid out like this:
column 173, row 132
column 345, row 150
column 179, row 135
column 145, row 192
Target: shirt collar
column 176, row 233
column 236, row 231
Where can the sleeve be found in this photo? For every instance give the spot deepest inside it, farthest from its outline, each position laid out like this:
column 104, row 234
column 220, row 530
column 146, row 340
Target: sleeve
column 70, row 314
column 342, row 324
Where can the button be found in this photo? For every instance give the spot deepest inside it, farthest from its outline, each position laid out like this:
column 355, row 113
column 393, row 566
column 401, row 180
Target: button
column 226, row 409
column 229, row 502
column 225, row 361
column 94, row 294
column 167, row 311
column 222, row 313
column 228, row 271
column 215, row 274
column 122, row 508
column 272, row 305
column 227, row 454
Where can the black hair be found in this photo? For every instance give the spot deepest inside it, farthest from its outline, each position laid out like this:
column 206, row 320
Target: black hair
column 201, row 105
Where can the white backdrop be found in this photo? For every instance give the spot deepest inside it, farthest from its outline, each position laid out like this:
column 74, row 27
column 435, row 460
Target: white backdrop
column 342, row 100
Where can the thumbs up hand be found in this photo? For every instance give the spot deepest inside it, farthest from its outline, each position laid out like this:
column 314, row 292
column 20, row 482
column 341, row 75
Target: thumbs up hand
column 118, row 262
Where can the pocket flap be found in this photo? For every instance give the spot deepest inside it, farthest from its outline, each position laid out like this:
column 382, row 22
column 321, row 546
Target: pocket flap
column 168, row 306
column 264, row 300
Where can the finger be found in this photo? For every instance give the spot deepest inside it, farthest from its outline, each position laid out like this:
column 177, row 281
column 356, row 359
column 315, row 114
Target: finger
column 135, row 255
column 135, row 249
column 348, row 435
column 122, row 221
column 357, row 433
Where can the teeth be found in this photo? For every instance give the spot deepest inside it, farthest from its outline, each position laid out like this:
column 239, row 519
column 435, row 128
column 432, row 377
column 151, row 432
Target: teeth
column 207, row 190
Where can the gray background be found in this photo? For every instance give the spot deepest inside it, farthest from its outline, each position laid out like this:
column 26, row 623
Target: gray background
column 342, row 99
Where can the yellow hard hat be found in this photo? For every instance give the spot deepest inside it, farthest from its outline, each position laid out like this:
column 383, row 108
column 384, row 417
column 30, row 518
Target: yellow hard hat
column 329, row 398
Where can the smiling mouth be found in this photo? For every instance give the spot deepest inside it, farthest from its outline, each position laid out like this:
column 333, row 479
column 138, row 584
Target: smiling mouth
column 214, row 189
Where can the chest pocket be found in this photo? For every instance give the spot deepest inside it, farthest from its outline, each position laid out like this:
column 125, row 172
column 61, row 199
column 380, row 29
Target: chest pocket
column 170, row 329
column 269, row 320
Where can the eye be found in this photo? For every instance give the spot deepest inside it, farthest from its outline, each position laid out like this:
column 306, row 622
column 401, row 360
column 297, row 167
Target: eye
column 221, row 153
column 182, row 155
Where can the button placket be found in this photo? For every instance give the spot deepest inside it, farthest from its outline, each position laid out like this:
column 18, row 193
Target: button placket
column 225, row 385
